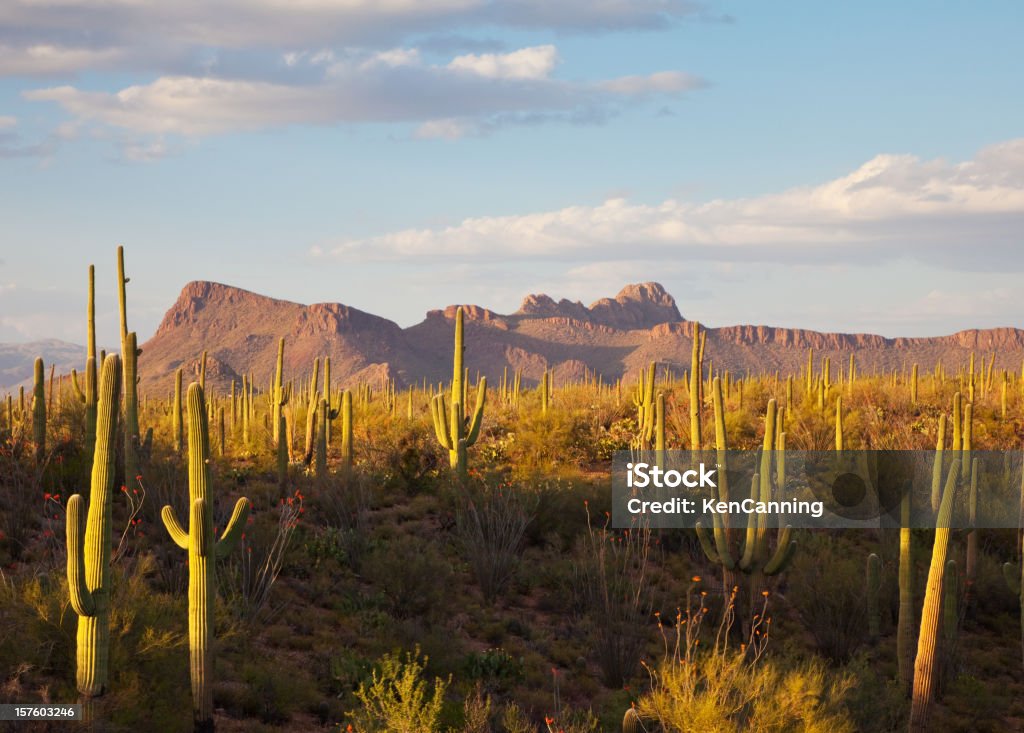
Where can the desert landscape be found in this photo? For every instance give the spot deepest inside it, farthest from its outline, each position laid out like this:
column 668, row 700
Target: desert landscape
column 387, row 529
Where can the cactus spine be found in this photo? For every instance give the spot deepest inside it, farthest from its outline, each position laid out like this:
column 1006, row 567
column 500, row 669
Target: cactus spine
column 89, row 541
column 39, row 410
column 203, row 550
column 454, row 430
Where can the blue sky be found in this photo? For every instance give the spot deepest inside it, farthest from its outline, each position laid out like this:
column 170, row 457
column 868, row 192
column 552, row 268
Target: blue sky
column 839, row 166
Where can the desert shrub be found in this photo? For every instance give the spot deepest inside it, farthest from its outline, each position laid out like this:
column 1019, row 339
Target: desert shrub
column 476, row 712
column 611, row 586
column 826, row 587
column 875, row 704
column 494, row 669
column 490, row 525
column 342, row 505
column 719, row 687
column 410, row 573
column 398, row 700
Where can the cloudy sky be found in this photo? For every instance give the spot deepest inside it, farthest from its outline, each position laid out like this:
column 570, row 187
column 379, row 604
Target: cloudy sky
column 840, row 166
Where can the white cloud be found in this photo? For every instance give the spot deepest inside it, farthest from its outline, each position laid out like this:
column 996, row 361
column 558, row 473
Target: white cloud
column 663, row 82
column 447, row 129
column 891, row 205
column 536, row 62
column 77, row 35
column 473, row 93
column 7, row 122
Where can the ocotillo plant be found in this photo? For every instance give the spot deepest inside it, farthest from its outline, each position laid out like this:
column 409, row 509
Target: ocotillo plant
column 39, row 410
column 455, row 431
column 89, row 541
column 203, row 550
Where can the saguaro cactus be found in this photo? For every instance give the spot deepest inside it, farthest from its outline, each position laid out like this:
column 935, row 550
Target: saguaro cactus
column 931, row 613
column 874, row 582
column 645, row 405
column 39, row 410
column 179, row 436
column 88, row 396
column 203, row 550
column 756, row 558
column 455, row 431
column 696, row 379
column 131, row 408
column 89, row 542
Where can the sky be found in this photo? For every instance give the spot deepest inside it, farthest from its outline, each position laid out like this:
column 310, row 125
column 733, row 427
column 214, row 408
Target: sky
column 854, row 167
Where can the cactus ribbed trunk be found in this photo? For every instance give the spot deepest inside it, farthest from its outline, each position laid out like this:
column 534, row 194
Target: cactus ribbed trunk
column 179, row 436
column 905, row 619
column 202, row 552
column 88, row 564
column 696, row 378
column 39, row 410
column 131, row 410
column 923, row 691
column 346, row 429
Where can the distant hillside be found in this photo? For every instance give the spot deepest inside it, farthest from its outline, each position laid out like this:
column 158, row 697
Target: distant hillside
column 613, row 336
column 17, row 360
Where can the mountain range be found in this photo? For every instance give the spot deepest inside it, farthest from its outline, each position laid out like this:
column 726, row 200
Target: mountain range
column 613, row 337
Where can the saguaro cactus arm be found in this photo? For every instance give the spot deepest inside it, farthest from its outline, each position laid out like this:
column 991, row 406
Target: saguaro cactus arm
column 174, row 528
column 478, row 412
column 81, row 598
column 233, row 531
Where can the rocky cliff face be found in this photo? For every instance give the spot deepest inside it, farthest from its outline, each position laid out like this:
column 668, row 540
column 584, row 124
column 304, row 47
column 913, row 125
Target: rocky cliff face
column 613, row 336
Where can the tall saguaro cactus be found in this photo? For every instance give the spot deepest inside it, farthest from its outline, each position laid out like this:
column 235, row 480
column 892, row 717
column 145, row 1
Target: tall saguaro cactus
column 131, row 408
column 455, row 431
column 89, row 542
column 279, row 398
column 932, row 612
column 203, row 550
column 178, row 429
column 696, row 379
column 39, row 410
column 88, row 396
